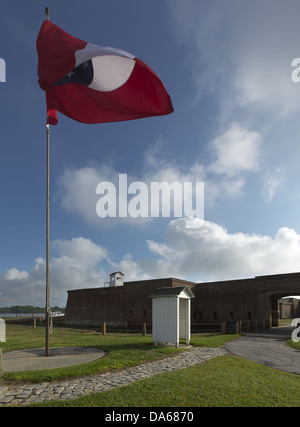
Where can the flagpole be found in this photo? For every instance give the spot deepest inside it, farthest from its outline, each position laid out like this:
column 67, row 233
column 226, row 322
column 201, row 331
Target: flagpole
column 47, row 349
column 48, row 244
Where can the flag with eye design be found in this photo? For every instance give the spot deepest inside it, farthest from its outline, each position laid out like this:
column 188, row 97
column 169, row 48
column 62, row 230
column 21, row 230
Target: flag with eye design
column 95, row 84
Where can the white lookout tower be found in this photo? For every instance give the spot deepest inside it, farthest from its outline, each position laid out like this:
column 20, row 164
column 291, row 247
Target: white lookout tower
column 116, row 279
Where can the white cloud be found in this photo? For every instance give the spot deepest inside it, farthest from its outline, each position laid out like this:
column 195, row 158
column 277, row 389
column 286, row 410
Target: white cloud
column 82, row 251
column 237, row 150
column 77, row 188
column 196, row 25
column 212, row 253
column 241, row 51
column 273, row 181
column 233, row 155
column 133, row 270
column 206, row 253
column 15, row 274
column 78, row 266
column 262, row 58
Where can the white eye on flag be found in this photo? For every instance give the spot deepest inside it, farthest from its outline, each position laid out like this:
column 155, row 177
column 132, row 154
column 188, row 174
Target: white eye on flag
column 111, row 72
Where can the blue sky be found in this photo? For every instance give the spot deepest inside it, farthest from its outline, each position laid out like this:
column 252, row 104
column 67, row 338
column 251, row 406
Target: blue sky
column 227, row 67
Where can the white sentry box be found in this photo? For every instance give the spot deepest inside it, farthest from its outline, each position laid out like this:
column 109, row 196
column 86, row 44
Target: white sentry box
column 171, row 315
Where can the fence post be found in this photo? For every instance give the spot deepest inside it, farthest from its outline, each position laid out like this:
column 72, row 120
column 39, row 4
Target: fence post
column 144, row 329
column 239, row 326
column 223, row 328
column 104, row 328
column 34, row 322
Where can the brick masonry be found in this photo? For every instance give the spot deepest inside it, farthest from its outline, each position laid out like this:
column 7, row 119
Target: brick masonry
column 255, row 299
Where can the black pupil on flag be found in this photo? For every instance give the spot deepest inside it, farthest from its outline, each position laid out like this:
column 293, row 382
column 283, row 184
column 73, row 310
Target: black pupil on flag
column 83, row 74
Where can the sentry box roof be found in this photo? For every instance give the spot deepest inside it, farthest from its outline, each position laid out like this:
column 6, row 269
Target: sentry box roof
column 178, row 291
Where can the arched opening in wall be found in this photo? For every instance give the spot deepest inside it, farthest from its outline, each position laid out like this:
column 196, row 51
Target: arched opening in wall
column 283, row 307
column 289, row 307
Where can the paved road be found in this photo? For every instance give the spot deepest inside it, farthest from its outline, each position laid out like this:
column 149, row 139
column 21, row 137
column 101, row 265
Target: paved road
column 268, row 348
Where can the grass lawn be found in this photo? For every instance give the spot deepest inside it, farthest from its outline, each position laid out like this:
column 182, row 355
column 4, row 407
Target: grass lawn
column 223, row 381
column 226, row 381
column 294, row 344
column 123, row 350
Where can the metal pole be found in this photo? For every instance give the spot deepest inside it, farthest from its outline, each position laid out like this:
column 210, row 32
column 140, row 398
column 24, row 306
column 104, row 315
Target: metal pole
column 47, row 349
column 47, row 12
column 48, row 245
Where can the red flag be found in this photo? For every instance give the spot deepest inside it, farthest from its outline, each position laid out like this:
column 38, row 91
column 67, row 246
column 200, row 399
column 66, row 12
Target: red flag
column 95, row 84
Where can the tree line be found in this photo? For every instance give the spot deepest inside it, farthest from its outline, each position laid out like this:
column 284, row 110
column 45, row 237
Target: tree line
column 28, row 309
